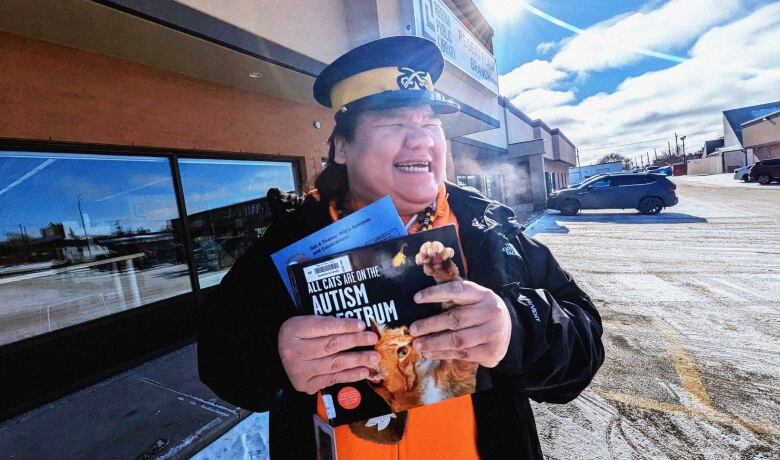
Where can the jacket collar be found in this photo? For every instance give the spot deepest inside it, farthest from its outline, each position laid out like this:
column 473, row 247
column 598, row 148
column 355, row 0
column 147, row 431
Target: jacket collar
column 479, row 214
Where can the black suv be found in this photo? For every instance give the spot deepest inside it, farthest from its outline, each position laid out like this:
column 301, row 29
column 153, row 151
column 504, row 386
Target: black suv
column 648, row 193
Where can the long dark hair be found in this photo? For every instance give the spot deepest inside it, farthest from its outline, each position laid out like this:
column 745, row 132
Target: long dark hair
column 333, row 182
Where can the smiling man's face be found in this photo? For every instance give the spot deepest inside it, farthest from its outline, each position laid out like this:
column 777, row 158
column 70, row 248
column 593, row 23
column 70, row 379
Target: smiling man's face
column 398, row 152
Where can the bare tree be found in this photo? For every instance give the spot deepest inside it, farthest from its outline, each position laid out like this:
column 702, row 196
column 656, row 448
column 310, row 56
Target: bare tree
column 612, row 157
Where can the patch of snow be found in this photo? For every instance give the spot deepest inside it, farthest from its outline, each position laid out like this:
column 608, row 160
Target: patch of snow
column 246, row 441
column 720, row 180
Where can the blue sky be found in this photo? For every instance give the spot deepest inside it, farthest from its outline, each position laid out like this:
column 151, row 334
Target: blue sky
column 515, row 42
column 38, row 188
column 601, row 92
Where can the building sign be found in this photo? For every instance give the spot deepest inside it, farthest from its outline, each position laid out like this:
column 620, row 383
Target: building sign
column 434, row 21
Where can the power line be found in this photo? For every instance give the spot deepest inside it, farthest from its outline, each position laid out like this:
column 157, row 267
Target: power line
column 639, row 142
column 623, row 145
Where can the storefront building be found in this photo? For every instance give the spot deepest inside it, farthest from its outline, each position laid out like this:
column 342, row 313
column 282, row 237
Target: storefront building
column 138, row 140
column 762, row 136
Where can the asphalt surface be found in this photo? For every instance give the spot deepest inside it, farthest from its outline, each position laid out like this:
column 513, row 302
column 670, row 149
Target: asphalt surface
column 689, row 300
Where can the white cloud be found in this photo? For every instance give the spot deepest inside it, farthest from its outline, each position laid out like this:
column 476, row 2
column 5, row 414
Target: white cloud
column 612, row 43
column 545, row 47
column 501, row 11
column 531, row 75
column 687, row 98
column 539, row 98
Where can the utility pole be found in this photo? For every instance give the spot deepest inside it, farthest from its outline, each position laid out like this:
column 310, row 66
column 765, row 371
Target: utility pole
column 682, row 138
column 676, row 146
column 648, row 157
column 25, row 242
column 84, row 226
column 669, row 147
column 655, row 153
column 579, row 165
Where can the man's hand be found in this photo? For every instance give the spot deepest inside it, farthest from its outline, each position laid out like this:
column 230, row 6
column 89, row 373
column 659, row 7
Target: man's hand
column 477, row 329
column 313, row 351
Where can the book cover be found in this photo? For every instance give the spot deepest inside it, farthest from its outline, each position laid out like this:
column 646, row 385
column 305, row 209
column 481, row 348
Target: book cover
column 378, row 221
column 377, row 283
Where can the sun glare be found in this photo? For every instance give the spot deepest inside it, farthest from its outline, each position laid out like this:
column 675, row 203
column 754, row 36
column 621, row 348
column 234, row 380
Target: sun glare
column 502, row 11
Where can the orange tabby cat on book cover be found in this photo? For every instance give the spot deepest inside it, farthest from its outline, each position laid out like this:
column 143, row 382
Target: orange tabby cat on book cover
column 406, row 379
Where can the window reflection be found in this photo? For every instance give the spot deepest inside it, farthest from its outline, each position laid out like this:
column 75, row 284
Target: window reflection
column 227, row 209
column 491, row 186
column 83, row 236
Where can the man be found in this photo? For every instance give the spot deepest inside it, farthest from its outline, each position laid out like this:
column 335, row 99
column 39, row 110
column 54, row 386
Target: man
column 534, row 333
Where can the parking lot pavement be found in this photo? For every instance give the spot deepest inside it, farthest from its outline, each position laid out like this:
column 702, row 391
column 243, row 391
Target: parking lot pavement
column 689, row 299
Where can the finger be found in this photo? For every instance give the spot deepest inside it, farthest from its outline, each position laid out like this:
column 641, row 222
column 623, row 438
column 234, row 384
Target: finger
column 457, row 318
column 452, row 340
column 459, row 291
column 332, row 344
column 479, row 354
column 307, row 327
column 342, row 361
column 350, row 375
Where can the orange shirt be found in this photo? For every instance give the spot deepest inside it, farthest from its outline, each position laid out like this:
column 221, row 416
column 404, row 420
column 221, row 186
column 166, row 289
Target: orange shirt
column 443, row 430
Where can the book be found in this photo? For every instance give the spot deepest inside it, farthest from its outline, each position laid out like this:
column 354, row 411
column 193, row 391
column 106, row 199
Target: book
column 378, row 221
column 376, row 284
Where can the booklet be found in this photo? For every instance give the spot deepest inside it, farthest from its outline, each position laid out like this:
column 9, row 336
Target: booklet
column 376, row 284
column 376, row 222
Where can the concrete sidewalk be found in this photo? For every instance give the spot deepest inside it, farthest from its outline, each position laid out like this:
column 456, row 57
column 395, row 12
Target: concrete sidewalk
column 156, row 410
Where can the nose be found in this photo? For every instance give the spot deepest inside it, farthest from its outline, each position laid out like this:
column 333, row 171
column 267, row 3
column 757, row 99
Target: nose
column 418, row 137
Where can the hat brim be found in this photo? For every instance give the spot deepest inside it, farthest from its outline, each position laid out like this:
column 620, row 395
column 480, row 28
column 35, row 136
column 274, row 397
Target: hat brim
column 402, row 98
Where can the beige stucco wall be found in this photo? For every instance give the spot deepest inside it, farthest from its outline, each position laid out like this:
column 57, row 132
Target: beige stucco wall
column 762, row 133
column 541, row 133
column 317, row 29
column 565, row 151
column 494, row 137
column 517, row 129
column 391, row 19
column 767, row 152
column 733, row 160
column 706, row 165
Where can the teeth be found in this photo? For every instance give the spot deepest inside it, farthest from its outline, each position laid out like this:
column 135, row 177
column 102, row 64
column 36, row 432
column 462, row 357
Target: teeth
column 413, row 167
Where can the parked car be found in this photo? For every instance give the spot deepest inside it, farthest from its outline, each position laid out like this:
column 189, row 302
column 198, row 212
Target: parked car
column 648, row 193
column 743, row 173
column 765, row 171
column 663, row 170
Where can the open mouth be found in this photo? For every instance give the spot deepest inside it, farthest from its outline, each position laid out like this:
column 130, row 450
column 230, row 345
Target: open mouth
column 413, row 166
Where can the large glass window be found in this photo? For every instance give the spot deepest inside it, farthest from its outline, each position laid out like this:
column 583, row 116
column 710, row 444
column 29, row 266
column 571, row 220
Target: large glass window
column 494, row 187
column 84, row 236
column 227, row 209
column 491, row 186
column 469, row 181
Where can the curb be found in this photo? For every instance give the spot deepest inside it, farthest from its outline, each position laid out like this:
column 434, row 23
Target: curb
column 533, row 219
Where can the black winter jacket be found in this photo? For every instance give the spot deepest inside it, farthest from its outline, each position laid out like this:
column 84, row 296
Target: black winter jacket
column 554, row 352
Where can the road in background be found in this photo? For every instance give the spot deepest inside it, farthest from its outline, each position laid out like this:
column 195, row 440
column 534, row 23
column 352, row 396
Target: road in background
column 690, row 301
